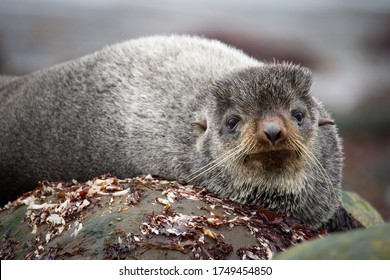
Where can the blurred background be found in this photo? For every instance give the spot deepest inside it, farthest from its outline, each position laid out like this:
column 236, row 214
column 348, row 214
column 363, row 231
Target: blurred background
column 346, row 43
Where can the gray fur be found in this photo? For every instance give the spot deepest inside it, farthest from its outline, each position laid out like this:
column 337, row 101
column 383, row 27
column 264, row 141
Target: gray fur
column 129, row 109
column 6, row 79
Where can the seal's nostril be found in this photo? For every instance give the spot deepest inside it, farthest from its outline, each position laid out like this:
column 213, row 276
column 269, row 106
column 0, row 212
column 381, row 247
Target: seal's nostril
column 272, row 131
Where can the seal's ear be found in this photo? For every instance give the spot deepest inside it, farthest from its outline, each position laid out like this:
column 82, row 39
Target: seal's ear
column 200, row 126
column 322, row 122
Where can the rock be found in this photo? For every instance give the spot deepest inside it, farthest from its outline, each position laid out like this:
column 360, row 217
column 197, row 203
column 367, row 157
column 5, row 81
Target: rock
column 362, row 244
column 149, row 218
column 141, row 218
column 360, row 209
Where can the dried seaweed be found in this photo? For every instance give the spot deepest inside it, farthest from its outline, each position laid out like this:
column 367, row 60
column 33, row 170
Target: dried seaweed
column 7, row 248
column 54, row 207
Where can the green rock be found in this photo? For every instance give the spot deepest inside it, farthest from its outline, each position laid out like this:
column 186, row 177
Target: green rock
column 360, row 209
column 363, row 244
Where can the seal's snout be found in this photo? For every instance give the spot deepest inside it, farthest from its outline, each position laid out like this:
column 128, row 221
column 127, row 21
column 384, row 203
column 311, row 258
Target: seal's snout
column 272, row 130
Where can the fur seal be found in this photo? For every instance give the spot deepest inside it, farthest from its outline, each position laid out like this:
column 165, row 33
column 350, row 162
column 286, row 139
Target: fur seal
column 181, row 107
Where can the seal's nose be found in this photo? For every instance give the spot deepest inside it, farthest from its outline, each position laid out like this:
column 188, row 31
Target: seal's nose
column 272, row 131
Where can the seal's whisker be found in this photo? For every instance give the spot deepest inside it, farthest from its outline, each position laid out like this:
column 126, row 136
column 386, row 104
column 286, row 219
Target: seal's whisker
column 239, row 153
column 295, row 147
column 316, row 164
column 221, row 171
column 243, row 148
column 213, row 162
column 219, row 161
column 299, row 150
column 241, row 156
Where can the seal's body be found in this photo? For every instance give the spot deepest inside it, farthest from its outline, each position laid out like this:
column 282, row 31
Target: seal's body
column 179, row 107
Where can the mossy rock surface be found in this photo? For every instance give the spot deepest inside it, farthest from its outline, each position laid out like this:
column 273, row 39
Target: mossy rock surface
column 362, row 244
column 361, row 209
column 141, row 218
column 144, row 218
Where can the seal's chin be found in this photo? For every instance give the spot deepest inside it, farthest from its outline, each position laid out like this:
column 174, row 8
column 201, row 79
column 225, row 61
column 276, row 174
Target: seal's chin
column 267, row 155
column 272, row 160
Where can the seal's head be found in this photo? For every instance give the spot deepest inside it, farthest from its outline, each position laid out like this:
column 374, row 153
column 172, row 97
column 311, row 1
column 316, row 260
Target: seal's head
column 263, row 142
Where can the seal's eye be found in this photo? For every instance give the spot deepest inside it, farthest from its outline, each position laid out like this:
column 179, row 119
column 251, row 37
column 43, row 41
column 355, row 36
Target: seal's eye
column 232, row 122
column 298, row 115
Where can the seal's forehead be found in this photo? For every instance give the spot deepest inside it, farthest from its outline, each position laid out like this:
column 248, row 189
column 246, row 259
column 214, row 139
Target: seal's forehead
column 269, row 84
